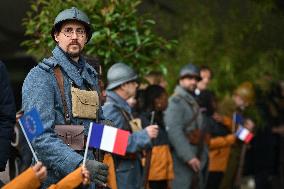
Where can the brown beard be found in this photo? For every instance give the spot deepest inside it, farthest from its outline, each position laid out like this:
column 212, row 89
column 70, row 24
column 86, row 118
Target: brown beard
column 71, row 54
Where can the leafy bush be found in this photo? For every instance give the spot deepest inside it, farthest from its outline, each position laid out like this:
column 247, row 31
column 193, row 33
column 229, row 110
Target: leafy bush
column 120, row 34
column 239, row 40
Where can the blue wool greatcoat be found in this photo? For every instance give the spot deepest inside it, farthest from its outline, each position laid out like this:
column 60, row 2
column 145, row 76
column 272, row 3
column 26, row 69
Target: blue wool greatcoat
column 40, row 91
column 128, row 172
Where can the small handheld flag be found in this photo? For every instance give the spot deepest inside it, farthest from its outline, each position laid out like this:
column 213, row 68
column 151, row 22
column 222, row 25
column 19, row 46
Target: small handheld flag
column 239, row 120
column 244, row 134
column 31, row 126
column 109, row 139
column 106, row 138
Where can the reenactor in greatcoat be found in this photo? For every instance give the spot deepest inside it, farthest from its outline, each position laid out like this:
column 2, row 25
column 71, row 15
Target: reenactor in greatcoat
column 64, row 89
column 122, row 85
column 184, row 125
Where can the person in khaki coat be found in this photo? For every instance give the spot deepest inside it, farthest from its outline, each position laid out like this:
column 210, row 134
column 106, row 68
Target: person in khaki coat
column 33, row 176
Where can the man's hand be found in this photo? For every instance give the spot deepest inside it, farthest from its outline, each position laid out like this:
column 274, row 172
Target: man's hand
column 152, row 131
column 98, row 171
column 40, row 171
column 249, row 124
column 85, row 175
column 194, row 163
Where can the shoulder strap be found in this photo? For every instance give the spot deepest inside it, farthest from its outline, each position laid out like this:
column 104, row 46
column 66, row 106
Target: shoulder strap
column 125, row 114
column 60, row 83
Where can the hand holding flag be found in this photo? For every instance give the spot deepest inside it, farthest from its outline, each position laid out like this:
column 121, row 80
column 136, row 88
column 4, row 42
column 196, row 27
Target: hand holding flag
column 32, row 127
column 244, row 134
column 106, row 138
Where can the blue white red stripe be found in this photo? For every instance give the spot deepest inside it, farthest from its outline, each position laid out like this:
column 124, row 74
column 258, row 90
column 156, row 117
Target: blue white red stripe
column 109, row 138
column 244, row 134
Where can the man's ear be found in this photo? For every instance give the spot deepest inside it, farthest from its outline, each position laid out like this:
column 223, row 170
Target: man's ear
column 56, row 34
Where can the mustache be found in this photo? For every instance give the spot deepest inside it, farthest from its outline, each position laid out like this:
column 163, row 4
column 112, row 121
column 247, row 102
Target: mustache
column 74, row 43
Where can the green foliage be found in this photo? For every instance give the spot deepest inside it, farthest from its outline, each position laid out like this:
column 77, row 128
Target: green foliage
column 239, row 40
column 120, row 34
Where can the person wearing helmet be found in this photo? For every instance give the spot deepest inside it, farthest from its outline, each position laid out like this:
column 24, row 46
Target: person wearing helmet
column 53, row 87
column 122, row 85
column 183, row 122
column 243, row 97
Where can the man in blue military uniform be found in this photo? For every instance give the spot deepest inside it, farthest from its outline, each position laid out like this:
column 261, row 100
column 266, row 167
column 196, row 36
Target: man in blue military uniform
column 122, row 85
column 184, row 125
column 47, row 88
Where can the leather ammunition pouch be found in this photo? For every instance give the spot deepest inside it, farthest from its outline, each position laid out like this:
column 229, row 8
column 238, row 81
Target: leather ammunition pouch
column 72, row 135
column 194, row 136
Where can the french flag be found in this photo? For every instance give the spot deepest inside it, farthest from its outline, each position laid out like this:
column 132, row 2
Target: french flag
column 244, row 134
column 109, row 138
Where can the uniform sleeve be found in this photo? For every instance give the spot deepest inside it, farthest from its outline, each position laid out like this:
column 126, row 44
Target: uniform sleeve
column 174, row 121
column 138, row 140
column 220, row 142
column 27, row 179
column 73, row 180
column 38, row 92
column 7, row 116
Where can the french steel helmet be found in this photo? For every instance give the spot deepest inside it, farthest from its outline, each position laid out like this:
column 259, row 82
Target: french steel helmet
column 190, row 70
column 119, row 74
column 72, row 14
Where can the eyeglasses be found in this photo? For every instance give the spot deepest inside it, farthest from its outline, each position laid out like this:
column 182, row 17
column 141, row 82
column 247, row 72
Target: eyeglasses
column 68, row 32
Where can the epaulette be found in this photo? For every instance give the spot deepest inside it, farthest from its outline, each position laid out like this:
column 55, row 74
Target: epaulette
column 48, row 64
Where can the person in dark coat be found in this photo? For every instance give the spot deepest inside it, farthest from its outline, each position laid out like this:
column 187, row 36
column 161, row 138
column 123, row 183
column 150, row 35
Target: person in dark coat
column 161, row 166
column 7, row 117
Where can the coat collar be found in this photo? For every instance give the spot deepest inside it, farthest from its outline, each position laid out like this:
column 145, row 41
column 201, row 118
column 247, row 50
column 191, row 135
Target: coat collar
column 88, row 73
column 181, row 91
column 114, row 97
